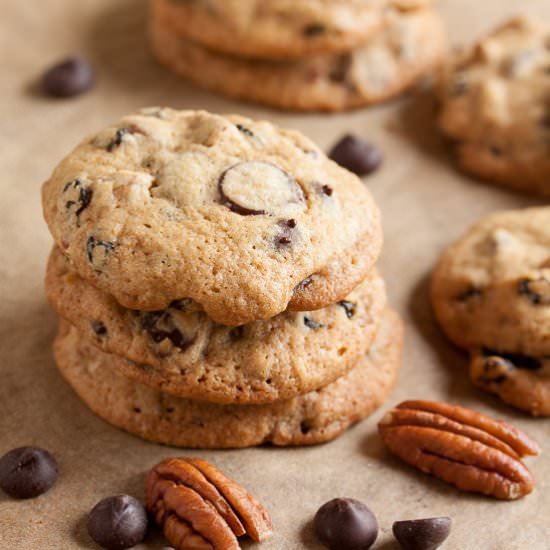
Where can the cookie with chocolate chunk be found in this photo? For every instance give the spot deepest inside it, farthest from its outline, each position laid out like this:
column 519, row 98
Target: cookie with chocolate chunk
column 315, row 417
column 236, row 215
column 491, row 295
column 495, row 109
column 181, row 351
column 273, row 29
column 406, row 48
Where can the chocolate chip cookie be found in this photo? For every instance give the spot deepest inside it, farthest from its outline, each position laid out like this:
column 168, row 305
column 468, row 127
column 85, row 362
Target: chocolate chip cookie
column 236, row 215
column 181, row 351
column 491, row 295
column 406, row 49
column 274, row 29
column 312, row 418
column 495, row 106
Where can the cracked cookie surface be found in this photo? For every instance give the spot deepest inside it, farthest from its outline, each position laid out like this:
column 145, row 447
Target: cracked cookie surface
column 491, row 296
column 495, row 106
column 315, row 417
column 237, row 215
column 406, row 48
column 181, row 351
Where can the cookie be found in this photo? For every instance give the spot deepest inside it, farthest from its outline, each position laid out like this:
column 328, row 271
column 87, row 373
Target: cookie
column 316, row 417
column 228, row 212
column 405, row 50
column 181, row 351
column 520, row 381
column 494, row 107
column 491, row 288
column 274, row 29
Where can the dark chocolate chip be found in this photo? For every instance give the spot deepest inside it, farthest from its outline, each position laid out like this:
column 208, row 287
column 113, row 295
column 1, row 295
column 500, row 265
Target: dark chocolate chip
column 245, row 130
column 160, row 326
column 422, row 534
column 92, row 243
column 517, row 360
column 288, row 234
column 310, row 323
column 314, row 29
column 535, row 290
column 345, row 524
column 349, row 308
column 27, row 472
column 99, row 328
column 327, row 190
column 468, row 294
column 118, row 522
column 305, row 427
column 82, row 200
column 69, row 78
column 357, row 155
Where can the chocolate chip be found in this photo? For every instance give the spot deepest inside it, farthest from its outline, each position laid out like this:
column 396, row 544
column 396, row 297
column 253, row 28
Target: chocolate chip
column 68, row 78
column 327, row 190
column 535, row 290
column 99, row 328
column 245, row 130
column 288, row 234
column 349, row 308
column 345, row 524
column 468, row 295
column 305, row 427
column 310, row 323
column 118, row 522
column 92, row 244
column 517, row 360
column 160, row 326
column 27, row 472
column 422, row 534
column 357, row 155
column 258, row 188
column 314, row 29
column 82, row 199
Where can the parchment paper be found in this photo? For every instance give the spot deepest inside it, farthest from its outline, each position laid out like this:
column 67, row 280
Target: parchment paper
column 425, row 204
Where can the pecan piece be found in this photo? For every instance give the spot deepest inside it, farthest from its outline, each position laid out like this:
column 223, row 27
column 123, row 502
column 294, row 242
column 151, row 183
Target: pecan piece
column 463, row 447
column 200, row 508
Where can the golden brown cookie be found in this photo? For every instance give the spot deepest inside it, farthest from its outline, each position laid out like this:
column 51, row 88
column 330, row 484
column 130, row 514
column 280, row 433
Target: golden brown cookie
column 232, row 213
column 404, row 50
column 316, row 417
column 181, row 351
column 494, row 106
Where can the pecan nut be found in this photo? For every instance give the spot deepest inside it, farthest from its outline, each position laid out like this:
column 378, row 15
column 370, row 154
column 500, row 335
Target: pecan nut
column 201, row 508
column 463, row 447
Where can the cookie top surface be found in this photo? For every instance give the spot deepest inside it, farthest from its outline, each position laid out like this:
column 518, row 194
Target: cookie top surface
column 229, row 212
column 308, row 419
column 494, row 105
column 408, row 46
column 273, row 29
column 491, row 288
column 519, row 380
column 183, row 352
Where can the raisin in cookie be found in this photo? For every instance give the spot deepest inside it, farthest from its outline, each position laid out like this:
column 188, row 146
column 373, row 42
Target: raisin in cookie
column 181, row 351
column 405, row 50
column 232, row 213
column 495, row 106
column 274, row 29
column 315, row 417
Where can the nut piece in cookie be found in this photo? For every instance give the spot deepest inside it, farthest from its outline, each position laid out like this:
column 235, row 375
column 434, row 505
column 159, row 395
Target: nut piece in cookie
column 468, row 449
column 200, row 507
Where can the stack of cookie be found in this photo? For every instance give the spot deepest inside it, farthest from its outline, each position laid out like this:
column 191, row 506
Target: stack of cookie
column 300, row 54
column 216, row 280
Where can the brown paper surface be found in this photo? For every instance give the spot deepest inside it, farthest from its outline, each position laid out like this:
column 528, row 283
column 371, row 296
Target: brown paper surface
column 425, row 204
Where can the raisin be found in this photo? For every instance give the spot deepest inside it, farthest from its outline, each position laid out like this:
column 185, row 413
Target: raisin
column 82, row 200
column 159, row 325
column 468, row 294
column 98, row 327
column 310, row 323
column 119, row 136
column 92, row 243
column 349, row 308
column 245, row 130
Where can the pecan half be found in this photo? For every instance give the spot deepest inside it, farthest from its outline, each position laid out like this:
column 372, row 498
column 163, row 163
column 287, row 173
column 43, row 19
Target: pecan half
column 468, row 449
column 200, row 508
